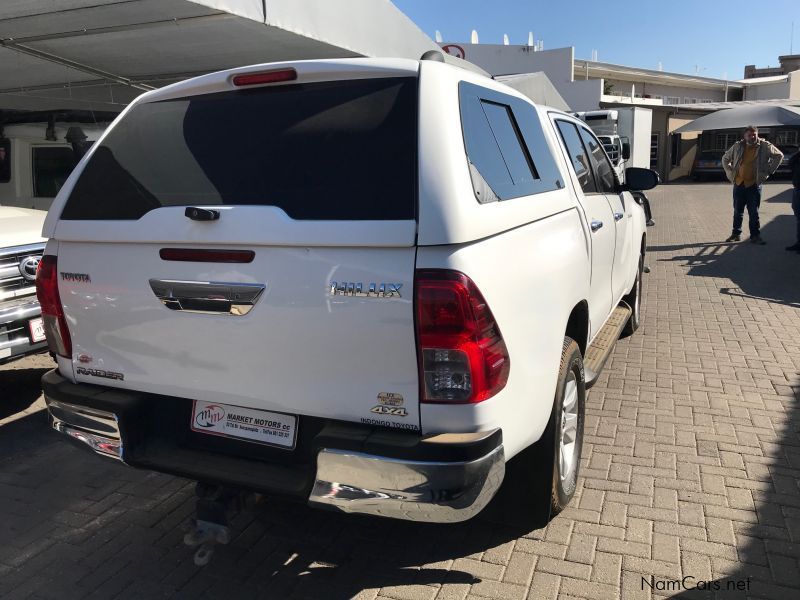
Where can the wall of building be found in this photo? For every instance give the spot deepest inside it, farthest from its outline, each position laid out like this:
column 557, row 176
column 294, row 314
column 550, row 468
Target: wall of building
column 794, row 85
column 768, row 91
column 499, row 59
column 581, row 94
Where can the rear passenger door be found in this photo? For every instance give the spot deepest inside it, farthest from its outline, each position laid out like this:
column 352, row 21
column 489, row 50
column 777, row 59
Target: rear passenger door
column 599, row 222
column 607, row 185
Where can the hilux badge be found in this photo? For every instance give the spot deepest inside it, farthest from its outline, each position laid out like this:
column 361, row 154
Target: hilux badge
column 359, row 290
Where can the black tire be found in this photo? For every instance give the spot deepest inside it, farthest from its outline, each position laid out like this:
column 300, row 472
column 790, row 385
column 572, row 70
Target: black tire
column 564, row 484
column 634, row 300
column 534, row 490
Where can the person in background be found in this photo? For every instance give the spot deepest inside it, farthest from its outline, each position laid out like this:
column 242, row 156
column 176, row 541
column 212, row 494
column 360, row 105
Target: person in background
column 748, row 164
column 796, row 198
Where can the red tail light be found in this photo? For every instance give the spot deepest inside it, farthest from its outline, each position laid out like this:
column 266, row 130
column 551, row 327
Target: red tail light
column 265, row 77
column 462, row 355
column 55, row 325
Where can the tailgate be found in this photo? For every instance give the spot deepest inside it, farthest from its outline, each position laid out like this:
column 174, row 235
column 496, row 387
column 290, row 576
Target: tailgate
column 296, row 295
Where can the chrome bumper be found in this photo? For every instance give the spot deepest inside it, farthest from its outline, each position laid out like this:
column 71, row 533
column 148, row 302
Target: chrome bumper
column 433, row 492
column 439, row 490
column 97, row 429
column 18, row 312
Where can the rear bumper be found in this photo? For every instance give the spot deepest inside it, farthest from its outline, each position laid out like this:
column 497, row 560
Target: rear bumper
column 337, row 465
column 15, row 341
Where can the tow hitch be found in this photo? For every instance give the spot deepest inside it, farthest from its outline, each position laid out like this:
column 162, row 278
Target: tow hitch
column 215, row 506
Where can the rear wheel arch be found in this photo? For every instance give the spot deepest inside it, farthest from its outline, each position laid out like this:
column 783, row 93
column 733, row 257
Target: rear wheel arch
column 578, row 325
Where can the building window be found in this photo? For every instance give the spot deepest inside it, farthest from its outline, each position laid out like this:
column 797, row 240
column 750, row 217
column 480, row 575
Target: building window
column 787, row 137
column 5, row 160
column 672, row 100
column 688, row 100
column 51, row 167
column 654, row 150
column 718, row 142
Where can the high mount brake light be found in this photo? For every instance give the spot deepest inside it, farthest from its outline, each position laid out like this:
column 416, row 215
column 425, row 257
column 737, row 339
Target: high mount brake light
column 462, row 356
column 204, row 255
column 264, row 77
column 55, row 324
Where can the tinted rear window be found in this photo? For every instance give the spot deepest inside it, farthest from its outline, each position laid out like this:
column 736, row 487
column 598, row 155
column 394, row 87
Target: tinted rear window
column 342, row 150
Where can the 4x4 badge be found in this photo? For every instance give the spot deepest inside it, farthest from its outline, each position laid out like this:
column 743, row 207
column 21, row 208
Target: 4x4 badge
column 394, row 411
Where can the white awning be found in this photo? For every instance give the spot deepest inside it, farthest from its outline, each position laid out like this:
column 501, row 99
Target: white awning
column 100, row 54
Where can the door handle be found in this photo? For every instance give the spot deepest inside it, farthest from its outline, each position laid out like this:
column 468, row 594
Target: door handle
column 208, row 297
column 595, row 225
column 618, row 216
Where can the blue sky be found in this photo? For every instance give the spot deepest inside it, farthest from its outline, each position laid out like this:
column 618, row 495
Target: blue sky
column 712, row 36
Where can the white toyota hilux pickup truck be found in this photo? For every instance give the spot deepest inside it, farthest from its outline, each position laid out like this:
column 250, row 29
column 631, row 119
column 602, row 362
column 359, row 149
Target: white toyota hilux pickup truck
column 375, row 285
column 21, row 247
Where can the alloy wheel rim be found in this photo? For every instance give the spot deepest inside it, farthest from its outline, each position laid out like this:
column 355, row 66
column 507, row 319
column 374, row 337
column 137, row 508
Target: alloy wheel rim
column 569, row 428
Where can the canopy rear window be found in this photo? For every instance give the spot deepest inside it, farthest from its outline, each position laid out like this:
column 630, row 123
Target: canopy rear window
column 343, row 150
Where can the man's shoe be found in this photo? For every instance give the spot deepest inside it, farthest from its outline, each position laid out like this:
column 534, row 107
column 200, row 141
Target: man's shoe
column 734, row 237
column 756, row 239
column 793, row 247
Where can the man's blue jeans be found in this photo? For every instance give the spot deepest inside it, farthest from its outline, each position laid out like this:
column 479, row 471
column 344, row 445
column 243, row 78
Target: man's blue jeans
column 749, row 197
column 796, row 209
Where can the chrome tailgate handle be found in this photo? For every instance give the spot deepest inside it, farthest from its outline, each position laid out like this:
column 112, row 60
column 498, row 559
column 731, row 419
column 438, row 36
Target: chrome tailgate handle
column 208, row 297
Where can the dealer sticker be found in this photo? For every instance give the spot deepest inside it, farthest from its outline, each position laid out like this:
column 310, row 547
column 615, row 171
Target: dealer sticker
column 261, row 426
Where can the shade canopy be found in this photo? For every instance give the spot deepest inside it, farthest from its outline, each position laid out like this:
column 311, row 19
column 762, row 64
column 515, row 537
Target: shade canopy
column 100, row 54
column 771, row 115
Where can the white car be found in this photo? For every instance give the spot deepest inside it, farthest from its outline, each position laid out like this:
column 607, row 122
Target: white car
column 21, row 248
column 368, row 284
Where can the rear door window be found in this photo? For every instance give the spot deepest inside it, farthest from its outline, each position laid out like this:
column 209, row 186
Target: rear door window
column 506, row 152
column 341, row 150
column 604, row 172
column 578, row 156
column 51, row 167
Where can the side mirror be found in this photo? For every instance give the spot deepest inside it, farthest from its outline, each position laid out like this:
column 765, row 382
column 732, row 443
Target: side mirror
column 638, row 179
column 626, row 150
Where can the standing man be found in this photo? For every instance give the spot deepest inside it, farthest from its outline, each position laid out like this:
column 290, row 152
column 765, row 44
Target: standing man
column 748, row 164
column 796, row 198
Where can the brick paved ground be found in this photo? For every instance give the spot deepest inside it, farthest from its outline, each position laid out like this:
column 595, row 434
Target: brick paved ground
column 691, row 468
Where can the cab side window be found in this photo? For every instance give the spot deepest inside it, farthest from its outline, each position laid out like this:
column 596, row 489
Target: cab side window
column 578, row 156
column 507, row 153
column 604, row 172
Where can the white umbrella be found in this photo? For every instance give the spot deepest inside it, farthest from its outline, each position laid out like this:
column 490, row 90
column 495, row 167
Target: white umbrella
column 771, row 115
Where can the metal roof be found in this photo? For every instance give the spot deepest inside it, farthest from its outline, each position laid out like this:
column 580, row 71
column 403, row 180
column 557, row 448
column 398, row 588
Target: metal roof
column 760, row 115
column 614, row 71
column 761, row 80
column 100, row 54
column 712, row 106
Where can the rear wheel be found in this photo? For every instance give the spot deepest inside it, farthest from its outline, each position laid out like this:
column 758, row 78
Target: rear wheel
column 566, row 426
column 541, row 480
